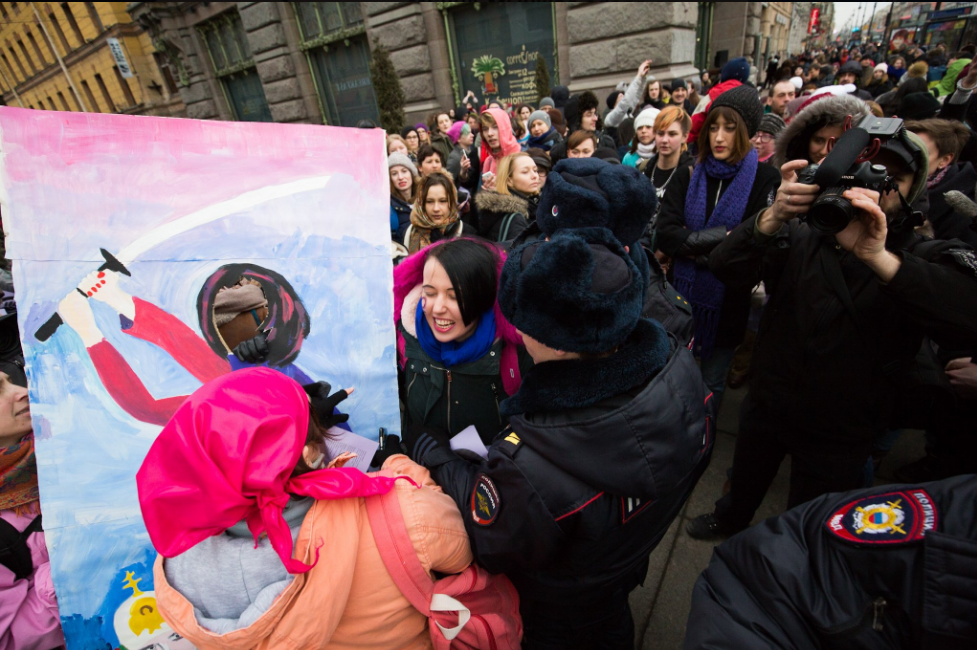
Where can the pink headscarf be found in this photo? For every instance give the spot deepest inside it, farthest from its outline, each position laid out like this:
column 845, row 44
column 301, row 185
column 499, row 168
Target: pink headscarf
column 507, row 142
column 227, row 455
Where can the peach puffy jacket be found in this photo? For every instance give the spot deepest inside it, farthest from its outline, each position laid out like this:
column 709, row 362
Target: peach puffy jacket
column 348, row 600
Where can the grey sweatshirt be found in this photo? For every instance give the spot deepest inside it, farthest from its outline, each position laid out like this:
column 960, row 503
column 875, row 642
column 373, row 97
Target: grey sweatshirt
column 230, row 582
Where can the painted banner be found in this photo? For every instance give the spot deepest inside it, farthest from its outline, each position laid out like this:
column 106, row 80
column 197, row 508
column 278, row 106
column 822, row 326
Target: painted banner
column 122, row 231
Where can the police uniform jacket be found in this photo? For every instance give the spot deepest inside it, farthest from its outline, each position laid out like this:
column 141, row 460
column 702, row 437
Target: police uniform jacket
column 884, row 568
column 834, row 340
column 598, row 459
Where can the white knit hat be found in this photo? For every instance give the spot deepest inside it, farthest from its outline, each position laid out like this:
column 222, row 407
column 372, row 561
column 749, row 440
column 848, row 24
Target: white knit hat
column 884, row 67
column 646, row 117
column 798, row 82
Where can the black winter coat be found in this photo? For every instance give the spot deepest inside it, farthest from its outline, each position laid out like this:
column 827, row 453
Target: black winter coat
column 600, row 456
column 494, row 210
column 674, row 239
column 948, row 224
column 888, row 568
column 833, row 339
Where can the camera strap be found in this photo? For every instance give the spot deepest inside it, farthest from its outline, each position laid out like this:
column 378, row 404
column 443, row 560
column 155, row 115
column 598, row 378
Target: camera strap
column 915, row 217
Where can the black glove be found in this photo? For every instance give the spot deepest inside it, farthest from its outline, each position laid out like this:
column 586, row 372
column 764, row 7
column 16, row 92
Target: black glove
column 254, row 350
column 420, row 440
column 391, row 447
column 325, row 404
column 701, row 242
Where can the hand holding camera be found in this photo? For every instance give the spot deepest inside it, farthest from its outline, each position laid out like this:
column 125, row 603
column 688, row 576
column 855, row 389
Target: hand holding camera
column 794, row 199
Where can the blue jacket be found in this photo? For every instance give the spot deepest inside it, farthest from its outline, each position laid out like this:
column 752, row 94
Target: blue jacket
column 399, row 218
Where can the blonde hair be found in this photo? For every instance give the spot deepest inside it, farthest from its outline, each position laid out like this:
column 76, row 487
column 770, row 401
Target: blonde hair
column 395, row 138
column 504, row 171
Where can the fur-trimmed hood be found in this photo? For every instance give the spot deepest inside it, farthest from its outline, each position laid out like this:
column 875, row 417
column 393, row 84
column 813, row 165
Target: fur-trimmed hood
column 501, row 203
column 793, row 141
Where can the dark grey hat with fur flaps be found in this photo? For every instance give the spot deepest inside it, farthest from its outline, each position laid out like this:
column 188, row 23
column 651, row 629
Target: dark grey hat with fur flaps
column 577, row 292
column 589, row 192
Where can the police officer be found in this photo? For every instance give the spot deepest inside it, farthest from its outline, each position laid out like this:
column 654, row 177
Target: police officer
column 846, row 316
column 884, row 568
column 608, row 433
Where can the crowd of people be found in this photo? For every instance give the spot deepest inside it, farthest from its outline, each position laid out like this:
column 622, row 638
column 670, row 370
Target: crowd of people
column 579, row 282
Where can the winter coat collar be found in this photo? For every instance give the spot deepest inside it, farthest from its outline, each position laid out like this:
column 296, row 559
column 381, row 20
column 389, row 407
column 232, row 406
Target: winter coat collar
column 559, row 385
column 502, row 204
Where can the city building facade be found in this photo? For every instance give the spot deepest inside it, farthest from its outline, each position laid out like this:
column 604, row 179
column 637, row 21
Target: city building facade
column 82, row 56
column 309, row 61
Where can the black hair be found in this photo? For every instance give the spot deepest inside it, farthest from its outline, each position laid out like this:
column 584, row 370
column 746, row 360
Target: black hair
column 473, row 270
column 287, row 323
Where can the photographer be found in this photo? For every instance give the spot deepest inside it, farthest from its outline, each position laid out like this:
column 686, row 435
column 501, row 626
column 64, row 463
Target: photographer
column 847, row 313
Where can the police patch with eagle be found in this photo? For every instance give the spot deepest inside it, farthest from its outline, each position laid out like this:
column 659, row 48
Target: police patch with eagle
column 886, row 518
column 485, row 501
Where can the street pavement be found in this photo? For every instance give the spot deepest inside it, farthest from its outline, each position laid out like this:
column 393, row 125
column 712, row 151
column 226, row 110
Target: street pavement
column 661, row 606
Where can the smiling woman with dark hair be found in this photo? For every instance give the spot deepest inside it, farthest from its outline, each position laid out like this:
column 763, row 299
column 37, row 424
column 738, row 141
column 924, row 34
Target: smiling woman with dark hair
column 459, row 357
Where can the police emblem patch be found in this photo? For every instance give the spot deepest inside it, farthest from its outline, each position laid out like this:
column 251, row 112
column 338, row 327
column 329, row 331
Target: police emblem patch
column 485, row 501
column 889, row 518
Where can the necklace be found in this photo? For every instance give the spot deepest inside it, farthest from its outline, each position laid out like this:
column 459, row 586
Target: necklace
column 660, row 191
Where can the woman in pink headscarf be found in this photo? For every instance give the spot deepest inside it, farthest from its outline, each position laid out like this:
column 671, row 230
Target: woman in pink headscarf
column 497, row 142
column 266, row 543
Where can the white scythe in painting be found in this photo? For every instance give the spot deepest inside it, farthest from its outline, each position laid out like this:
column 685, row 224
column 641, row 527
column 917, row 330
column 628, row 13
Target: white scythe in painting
column 186, row 223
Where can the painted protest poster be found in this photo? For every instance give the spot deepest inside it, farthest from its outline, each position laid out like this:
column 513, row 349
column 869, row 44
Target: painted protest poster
column 122, row 230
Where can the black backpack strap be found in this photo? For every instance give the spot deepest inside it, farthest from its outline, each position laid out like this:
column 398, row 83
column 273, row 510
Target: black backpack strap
column 14, row 552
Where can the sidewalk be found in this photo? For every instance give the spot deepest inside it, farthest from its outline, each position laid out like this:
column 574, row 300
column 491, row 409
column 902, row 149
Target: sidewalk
column 661, row 606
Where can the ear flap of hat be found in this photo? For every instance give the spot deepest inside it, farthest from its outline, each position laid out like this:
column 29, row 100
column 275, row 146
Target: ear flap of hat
column 578, row 292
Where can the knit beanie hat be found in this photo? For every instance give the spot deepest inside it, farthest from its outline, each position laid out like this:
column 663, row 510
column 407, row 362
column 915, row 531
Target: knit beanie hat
column 547, row 101
column 542, row 116
column 239, row 299
column 646, row 117
column 918, row 106
column 560, row 95
column 738, row 69
column 589, row 193
column 745, row 101
column 407, row 129
column 772, row 124
column 851, row 66
column 881, row 66
column 797, row 82
column 611, row 100
column 577, row 292
column 679, row 83
column 456, row 131
column 397, row 158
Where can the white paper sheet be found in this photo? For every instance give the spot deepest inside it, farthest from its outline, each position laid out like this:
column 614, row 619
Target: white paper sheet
column 468, row 439
column 364, row 448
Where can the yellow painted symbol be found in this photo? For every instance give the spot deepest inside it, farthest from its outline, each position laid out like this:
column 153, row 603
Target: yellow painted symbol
column 483, row 505
column 132, row 584
column 144, row 616
column 513, row 438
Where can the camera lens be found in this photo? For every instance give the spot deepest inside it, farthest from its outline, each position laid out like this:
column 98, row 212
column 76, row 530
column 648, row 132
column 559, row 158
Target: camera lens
column 831, row 212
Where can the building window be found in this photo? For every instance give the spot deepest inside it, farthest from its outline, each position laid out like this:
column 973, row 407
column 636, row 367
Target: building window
column 163, row 64
column 130, row 100
column 497, row 47
column 64, row 102
column 233, row 64
column 30, row 61
column 36, row 48
column 105, row 93
column 72, row 23
column 90, row 97
column 60, row 32
column 95, row 18
column 334, row 40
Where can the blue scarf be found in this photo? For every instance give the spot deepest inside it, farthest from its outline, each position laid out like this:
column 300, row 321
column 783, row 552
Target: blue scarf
column 542, row 142
column 453, row 353
column 697, row 284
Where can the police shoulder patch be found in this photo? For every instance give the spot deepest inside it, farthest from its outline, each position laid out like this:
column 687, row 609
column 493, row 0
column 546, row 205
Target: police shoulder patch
column 887, row 518
column 485, row 501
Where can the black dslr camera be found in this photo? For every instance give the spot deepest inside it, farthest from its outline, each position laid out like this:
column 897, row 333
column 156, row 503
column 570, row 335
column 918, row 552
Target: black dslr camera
column 846, row 166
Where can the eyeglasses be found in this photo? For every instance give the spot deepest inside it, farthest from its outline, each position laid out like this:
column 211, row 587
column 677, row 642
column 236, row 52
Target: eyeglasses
column 763, row 138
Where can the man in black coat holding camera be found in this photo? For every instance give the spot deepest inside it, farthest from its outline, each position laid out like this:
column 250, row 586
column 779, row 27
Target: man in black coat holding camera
column 847, row 314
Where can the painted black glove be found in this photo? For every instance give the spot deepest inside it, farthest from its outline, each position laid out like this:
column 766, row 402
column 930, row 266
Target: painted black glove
column 421, row 440
column 391, row 447
column 254, row 350
column 325, row 404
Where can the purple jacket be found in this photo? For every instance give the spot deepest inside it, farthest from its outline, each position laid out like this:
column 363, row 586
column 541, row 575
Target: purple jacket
column 29, row 617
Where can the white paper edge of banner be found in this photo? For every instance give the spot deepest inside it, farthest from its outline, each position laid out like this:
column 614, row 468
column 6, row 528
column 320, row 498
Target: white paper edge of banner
column 469, row 439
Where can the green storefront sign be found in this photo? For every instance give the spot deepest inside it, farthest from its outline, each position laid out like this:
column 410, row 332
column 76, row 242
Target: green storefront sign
column 497, row 46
